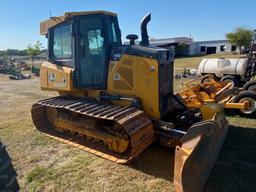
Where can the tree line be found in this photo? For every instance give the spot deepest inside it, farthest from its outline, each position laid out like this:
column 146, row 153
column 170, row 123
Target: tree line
column 11, row 52
column 32, row 50
column 242, row 37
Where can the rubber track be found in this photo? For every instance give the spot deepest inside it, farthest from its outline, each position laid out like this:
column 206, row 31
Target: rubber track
column 136, row 124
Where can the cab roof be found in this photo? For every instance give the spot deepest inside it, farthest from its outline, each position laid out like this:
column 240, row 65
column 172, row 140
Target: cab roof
column 45, row 25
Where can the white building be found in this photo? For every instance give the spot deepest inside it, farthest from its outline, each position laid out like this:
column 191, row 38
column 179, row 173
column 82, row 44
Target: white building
column 195, row 47
column 210, row 47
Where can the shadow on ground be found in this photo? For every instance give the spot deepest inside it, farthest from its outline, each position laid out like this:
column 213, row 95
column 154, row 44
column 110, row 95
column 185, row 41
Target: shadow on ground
column 234, row 170
column 157, row 161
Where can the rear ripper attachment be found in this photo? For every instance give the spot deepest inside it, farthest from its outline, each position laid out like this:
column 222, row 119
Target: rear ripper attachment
column 115, row 133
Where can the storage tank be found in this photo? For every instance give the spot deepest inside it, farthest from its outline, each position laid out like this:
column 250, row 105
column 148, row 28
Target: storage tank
column 221, row 66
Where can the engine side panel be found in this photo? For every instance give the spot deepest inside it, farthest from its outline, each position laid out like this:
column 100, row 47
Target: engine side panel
column 136, row 77
column 131, row 76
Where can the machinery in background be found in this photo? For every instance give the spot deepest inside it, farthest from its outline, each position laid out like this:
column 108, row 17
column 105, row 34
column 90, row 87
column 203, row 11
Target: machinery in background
column 239, row 71
column 186, row 73
column 115, row 100
column 13, row 71
column 8, row 68
column 19, row 76
column 8, row 180
column 206, row 89
column 35, row 70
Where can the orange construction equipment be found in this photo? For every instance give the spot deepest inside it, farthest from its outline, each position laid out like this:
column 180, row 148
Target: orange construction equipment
column 197, row 93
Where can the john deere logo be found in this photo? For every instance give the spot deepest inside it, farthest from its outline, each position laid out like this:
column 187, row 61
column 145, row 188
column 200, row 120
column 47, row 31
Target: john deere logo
column 51, row 77
column 117, row 76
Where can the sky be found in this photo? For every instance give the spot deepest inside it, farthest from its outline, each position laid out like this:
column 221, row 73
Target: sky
column 200, row 19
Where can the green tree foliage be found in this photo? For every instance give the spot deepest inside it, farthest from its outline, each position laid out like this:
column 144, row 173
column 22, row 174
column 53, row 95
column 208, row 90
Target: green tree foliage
column 240, row 37
column 34, row 50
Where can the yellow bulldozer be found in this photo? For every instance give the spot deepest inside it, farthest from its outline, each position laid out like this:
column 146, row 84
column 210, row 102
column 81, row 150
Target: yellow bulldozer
column 116, row 99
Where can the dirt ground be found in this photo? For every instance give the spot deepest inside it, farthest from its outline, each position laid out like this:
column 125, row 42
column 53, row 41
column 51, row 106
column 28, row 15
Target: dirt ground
column 44, row 164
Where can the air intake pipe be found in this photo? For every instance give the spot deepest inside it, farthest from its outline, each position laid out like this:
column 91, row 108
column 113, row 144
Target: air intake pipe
column 144, row 31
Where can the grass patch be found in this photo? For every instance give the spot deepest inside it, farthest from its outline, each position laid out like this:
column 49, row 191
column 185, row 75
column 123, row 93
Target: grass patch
column 37, row 177
column 39, row 140
column 36, row 174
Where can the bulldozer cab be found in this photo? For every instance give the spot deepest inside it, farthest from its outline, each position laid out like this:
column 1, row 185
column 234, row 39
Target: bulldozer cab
column 83, row 43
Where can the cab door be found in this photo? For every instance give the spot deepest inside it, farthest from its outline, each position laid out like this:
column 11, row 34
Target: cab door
column 91, row 63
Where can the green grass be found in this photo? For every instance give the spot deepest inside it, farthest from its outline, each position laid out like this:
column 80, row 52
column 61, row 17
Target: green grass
column 36, row 174
column 235, row 169
column 44, row 164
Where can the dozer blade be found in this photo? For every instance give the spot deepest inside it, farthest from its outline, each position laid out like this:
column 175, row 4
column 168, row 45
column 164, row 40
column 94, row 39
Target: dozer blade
column 115, row 133
column 195, row 157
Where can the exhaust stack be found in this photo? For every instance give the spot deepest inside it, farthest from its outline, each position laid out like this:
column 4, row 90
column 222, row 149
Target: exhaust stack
column 144, row 31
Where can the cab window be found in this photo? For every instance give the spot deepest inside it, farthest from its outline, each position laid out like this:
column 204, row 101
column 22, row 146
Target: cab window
column 62, row 42
column 112, row 32
column 95, row 42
